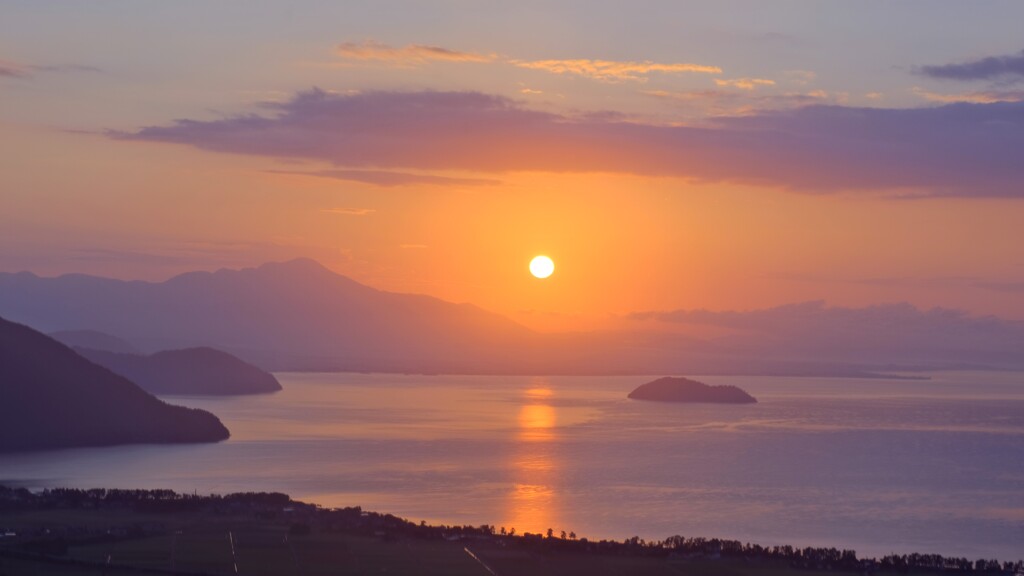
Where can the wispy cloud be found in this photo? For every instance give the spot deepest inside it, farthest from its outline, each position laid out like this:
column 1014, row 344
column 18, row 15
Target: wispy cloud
column 410, row 54
column 604, row 70
column 800, row 77
column 980, row 97
column 744, row 83
column 741, row 103
column 613, row 70
column 1008, row 67
column 350, row 211
column 1002, row 286
column 955, row 149
column 389, row 179
column 10, row 69
column 130, row 256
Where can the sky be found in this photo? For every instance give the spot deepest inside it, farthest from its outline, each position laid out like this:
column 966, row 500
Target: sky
column 715, row 155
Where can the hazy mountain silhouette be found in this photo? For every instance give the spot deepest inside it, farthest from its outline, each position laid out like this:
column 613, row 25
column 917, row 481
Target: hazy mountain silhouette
column 295, row 314
column 94, row 340
column 51, row 397
column 298, row 315
column 203, row 371
column 894, row 336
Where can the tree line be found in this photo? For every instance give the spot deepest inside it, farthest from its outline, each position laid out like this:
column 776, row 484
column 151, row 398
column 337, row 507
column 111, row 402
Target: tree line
column 306, row 517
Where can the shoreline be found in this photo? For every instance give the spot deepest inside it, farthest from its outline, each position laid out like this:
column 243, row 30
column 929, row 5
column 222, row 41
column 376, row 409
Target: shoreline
column 306, row 518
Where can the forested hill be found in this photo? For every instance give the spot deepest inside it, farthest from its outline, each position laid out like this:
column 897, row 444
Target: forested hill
column 51, row 397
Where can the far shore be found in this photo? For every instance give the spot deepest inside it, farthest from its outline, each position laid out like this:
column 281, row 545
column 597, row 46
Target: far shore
column 639, row 374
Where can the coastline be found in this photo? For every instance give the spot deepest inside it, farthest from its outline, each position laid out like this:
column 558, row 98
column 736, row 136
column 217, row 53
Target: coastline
column 64, row 526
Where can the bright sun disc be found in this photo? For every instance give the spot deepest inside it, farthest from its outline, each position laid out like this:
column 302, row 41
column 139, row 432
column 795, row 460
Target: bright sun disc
column 542, row 266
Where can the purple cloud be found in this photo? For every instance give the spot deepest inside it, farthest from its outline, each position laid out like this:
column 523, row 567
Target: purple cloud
column 10, row 69
column 390, row 179
column 13, row 70
column 958, row 149
column 1002, row 286
column 1010, row 67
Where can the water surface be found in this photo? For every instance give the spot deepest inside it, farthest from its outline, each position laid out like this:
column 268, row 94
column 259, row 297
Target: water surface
column 875, row 465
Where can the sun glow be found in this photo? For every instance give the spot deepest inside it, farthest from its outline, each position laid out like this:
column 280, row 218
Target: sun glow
column 542, row 266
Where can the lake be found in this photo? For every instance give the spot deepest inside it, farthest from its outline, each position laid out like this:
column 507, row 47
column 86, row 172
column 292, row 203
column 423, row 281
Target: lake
column 879, row 466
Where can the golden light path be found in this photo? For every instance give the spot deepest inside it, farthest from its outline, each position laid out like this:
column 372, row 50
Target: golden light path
column 533, row 503
column 542, row 266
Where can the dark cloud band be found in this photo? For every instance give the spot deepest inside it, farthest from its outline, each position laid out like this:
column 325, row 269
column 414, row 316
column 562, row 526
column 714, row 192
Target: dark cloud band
column 952, row 150
column 990, row 68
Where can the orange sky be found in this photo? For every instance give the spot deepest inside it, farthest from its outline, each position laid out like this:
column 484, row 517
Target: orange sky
column 592, row 153
column 621, row 243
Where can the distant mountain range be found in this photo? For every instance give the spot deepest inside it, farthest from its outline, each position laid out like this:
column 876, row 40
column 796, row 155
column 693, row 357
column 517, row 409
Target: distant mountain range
column 292, row 315
column 195, row 371
column 94, row 340
column 298, row 315
column 51, row 397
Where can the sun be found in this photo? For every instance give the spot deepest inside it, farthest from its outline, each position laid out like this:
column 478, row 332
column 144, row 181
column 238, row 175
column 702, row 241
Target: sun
column 542, row 266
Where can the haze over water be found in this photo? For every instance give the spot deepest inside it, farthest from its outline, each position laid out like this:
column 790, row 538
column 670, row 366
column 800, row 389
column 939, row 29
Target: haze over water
column 876, row 465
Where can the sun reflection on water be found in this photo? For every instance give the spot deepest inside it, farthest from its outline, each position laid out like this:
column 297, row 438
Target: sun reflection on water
column 533, row 502
column 536, row 423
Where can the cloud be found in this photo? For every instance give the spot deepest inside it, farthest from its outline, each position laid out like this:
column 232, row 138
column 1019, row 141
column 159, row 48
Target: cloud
column 612, row 70
column 1010, row 67
column 801, row 77
column 742, row 103
column 955, row 149
column 135, row 257
column 349, row 211
column 1002, row 286
column 744, row 83
column 880, row 333
column 389, row 179
column 10, row 69
column 410, row 54
column 984, row 97
column 605, row 70
column 67, row 68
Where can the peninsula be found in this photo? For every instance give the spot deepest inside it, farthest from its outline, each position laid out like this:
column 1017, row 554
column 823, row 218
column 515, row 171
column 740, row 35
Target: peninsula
column 51, row 397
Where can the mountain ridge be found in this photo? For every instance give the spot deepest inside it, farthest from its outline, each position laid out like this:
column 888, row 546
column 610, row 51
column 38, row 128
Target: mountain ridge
column 298, row 313
column 51, row 397
column 189, row 371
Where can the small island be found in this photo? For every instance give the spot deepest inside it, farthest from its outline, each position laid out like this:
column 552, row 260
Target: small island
column 669, row 389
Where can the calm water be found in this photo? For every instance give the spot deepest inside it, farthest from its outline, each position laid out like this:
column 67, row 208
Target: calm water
column 875, row 465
